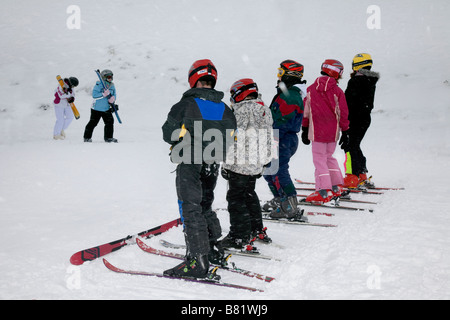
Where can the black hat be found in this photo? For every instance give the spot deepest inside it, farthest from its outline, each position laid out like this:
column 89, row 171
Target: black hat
column 73, row 81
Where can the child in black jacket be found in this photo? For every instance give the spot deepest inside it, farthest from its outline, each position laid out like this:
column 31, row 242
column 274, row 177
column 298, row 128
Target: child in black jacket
column 360, row 94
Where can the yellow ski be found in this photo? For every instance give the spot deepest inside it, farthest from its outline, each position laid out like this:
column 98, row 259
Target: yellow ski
column 72, row 105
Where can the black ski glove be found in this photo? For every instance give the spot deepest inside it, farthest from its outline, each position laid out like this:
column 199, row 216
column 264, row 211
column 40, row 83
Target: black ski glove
column 305, row 139
column 70, row 100
column 344, row 141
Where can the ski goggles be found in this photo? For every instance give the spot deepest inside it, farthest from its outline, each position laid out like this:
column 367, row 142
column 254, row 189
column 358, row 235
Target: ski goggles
column 335, row 69
column 282, row 72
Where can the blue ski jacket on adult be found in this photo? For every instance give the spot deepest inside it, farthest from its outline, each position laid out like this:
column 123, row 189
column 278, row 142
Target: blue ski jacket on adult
column 100, row 103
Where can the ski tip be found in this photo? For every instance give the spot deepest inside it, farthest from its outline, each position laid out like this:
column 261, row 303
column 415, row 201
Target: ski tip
column 109, row 265
column 76, row 260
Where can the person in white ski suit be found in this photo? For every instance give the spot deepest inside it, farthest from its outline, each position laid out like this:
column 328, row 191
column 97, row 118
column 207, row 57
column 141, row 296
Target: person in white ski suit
column 63, row 111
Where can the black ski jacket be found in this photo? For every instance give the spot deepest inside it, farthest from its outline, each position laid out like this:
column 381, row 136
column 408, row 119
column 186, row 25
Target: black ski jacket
column 200, row 127
column 360, row 94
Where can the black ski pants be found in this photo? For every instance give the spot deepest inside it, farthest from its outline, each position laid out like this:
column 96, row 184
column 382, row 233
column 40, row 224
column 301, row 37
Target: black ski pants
column 358, row 129
column 108, row 119
column 243, row 205
column 195, row 190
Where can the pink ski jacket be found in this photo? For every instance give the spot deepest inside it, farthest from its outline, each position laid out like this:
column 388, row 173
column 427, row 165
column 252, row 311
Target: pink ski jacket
column 326, row 111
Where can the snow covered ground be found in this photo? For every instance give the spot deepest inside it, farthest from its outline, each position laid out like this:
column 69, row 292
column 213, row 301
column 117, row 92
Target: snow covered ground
column 58, row 197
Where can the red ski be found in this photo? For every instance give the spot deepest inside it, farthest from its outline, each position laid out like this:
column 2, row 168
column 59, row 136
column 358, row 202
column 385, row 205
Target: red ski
column 234, row 269
column 343, row 199
column 345, row 190
column 95, row 252
column 373, row 188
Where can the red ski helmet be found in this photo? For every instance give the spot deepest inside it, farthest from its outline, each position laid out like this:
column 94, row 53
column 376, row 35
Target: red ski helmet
column 333, row 68
column 243, row 88
column 202, row 69
column 290, row 68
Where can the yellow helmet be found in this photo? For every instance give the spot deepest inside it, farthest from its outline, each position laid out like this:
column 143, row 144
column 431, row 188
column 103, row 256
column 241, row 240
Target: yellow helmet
column 361, row 60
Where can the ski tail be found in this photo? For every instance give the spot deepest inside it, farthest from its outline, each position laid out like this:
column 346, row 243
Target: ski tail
column 93, row 253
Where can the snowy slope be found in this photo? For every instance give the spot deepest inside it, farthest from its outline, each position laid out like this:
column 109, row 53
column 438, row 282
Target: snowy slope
column 58, row 197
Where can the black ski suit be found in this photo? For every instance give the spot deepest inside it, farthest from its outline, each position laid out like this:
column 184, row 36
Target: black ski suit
column 360, row 94
column 187, row 129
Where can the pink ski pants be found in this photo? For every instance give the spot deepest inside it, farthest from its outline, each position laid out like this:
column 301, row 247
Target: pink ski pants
column 327, row 171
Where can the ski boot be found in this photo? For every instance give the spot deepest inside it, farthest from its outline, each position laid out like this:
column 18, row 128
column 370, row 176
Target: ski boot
column 261, row 235
column 194, row 267
column 244, row 245
column 365, row 182
column 288, row 208
column 109, row 140
column 217, row 254
column 320, row 197
column 271, row 204
column 351, row 181
column 337, row 190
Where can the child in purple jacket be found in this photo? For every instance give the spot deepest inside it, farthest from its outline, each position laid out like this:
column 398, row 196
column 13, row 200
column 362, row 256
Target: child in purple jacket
column 325, row 115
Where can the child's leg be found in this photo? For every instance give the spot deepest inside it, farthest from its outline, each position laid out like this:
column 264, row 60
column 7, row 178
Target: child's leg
column 322, row 174
column 59, row 124
column 253, row 205
column 333, row 165
column 240, row 226
column 273, row 184
column 68, row 117
column 287, row 148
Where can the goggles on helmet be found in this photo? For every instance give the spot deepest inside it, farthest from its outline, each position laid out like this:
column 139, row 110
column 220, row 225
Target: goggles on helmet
column 331, row 67
column 282, row 72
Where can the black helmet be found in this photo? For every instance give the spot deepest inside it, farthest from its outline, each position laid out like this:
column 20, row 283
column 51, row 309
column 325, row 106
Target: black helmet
column 73, row 81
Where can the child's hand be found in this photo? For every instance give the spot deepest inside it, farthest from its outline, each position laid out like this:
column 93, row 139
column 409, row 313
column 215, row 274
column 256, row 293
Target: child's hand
column 106, row 93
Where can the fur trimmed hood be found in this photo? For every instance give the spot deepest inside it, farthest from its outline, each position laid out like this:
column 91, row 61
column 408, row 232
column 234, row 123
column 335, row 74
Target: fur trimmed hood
column 369, row 73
